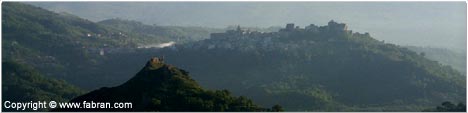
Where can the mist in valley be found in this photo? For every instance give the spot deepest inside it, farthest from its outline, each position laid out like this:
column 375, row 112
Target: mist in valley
column 433, row 24
column 238, row 56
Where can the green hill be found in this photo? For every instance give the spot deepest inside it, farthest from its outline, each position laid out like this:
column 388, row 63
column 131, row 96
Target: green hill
column 322, row 69
column 59, row 44
column 455, row 59
column 318, row 68
column 168, row 33
column 22, row 83
column 162, row 87
column 55, row 44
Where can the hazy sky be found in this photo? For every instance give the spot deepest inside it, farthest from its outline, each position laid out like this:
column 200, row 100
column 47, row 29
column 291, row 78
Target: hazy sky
column 439, row 24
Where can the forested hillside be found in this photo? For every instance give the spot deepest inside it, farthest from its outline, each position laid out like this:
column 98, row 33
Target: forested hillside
column 456, row 59
column 168, row 33
column 316, row 68
column 55, row 44
column 58, row 45
column 22, row 83
column 162, row 87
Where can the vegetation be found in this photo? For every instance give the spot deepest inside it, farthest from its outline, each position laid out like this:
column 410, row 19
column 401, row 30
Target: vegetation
column 59, row 44
column 21, row 83
column 300, row 70
column 316, row 72
column 319, row 71
column 455, row 59
column 56, row 44
column 448, row 107
column 160, row 33
column 161, row 87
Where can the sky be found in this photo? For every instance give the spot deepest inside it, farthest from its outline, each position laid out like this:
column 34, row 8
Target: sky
column 435, row 24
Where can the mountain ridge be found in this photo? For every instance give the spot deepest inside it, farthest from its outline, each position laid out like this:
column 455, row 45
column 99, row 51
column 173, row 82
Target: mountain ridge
column 324, row 59
column 23, row 83
column 162, row 87
column 48, row 40
column 303, row 69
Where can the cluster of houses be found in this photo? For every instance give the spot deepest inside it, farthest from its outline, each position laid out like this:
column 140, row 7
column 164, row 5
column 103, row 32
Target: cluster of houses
column 104, row 49
column 111, row 35
column 332, row 27
column 247, row 39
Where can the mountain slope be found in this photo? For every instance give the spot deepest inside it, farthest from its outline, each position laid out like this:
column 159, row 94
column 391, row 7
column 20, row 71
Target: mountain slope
column 168, row 33
column 21, row 83
column 320, row 69
column 456, row 59
column 162, row 87
column 48, row 41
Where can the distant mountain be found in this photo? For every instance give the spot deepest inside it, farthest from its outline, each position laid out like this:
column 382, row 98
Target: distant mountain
column 318, row 68
column 59, row 44
column 452, row 58
column 169, row 33
column 56, row 44
column 22, row 83
column 162, row 87
column 448, row 107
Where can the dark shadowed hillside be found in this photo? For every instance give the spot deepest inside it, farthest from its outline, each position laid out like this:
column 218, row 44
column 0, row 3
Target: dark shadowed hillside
column 456, row 59
column 162, row 87
column 168, row 33
column 56, row 44
column 313, row 68
column 22, row 83
column 59, row 44
column 318, row 68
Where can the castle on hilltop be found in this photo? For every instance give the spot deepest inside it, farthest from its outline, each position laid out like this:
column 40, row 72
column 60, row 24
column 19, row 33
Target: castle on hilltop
column 157, row 60
column 332, row 27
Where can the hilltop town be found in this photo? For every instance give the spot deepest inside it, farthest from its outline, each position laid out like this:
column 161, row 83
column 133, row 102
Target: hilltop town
column 246, row 38
column 332, row 28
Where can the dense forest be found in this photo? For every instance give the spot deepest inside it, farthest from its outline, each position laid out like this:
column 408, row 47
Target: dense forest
column 162, row 87
column 455, row 59
column 22, row 83
column 317, row 68
column 168, row 33
column 448, row 107
column 59, row 44
column 319, row 71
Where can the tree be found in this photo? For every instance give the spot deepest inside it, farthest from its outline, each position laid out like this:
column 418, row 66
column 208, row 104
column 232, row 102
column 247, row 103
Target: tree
column 277, row 108
column 450, row 107
column 422, row 54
